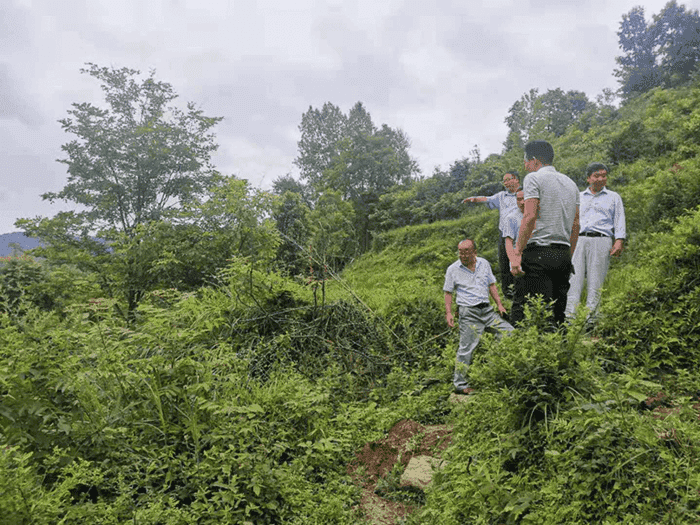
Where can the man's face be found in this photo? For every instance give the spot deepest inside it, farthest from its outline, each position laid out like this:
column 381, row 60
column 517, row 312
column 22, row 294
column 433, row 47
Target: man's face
column 530, row 165
column 467, row 253
column 520, row 199
column 510, row 182
column 597, row 180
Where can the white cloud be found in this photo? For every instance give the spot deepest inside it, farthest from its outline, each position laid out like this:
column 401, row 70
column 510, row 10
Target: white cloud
column 444, row 72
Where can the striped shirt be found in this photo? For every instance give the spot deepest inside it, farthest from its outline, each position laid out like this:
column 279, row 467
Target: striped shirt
column 559, row 198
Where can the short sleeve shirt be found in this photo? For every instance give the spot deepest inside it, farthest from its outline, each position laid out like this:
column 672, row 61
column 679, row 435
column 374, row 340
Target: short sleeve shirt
column 505, row 202
column 511, row 226
column 559, row 198
column 471, row 288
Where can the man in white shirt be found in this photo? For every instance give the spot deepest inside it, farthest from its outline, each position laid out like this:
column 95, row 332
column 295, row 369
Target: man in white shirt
column 471, row 279
column 602, row 235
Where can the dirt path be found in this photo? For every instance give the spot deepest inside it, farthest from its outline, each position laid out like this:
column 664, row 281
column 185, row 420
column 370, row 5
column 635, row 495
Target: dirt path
column 394, row 471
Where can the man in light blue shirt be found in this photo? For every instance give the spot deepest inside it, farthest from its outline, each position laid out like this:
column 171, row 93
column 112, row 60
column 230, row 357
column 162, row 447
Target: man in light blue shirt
column 602, row 235
column 512, row 226
column 472, row 280
column 504, row 202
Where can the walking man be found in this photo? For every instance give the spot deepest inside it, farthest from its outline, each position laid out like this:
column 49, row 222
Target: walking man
column 504, row 201
column 548, row 233
column 471, row 278
column 602, row 236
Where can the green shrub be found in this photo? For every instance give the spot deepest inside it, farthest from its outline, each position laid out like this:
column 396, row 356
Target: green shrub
column 549, row 438
column 670, row 192
column 649, row 314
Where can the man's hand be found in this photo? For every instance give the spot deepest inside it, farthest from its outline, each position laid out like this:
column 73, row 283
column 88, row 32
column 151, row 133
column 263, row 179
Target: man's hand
column 502, row 310
column 516, row 264
column 617, row 248
column 450, row 319
column 469, row 199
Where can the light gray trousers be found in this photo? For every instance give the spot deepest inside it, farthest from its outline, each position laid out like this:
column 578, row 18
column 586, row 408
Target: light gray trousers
column 473, row 322
column 591, row 261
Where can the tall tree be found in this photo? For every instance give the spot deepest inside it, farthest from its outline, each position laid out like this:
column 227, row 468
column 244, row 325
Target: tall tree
column 366, row 164
column 535, row 115
column 360, row 121
column 638, row 70
column 135, row 163
column 663, row 53
column 561, row 109
column 350, row 153
column 680, row 51
column 321, row 133
column 523, row 117
column 138, row 158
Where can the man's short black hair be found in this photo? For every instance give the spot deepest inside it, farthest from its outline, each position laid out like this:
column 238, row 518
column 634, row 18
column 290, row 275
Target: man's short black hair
column 540, row 150
column 514, row 173
column 595, row 166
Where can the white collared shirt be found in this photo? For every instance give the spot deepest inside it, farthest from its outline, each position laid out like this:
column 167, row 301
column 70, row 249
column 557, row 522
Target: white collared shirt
column 602, row 212
column 472, row 287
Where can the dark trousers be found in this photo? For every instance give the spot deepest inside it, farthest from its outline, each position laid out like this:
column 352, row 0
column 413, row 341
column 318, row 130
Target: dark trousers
column 547, row 271
column 507, row 279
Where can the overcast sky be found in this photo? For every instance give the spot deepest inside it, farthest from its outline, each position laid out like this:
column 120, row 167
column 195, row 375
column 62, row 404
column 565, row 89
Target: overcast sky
column 446, row 72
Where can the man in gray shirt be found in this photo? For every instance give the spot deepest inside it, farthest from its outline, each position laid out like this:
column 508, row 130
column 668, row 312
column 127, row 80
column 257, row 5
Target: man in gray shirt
column 548, row 233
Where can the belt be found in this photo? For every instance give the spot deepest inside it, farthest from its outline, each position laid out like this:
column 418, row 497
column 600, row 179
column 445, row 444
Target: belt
column 480, row 305
column 553, row 246
column 592, row 234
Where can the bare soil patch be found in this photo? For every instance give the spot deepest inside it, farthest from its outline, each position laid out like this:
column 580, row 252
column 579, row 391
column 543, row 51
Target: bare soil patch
column 377, row 468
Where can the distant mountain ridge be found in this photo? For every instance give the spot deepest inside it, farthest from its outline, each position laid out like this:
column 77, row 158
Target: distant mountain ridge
column 10, row 242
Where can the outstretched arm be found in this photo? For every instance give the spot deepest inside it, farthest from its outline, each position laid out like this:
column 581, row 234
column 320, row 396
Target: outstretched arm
column 475, row 199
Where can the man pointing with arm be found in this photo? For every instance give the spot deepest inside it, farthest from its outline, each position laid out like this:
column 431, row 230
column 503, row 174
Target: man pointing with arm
column 504, row 201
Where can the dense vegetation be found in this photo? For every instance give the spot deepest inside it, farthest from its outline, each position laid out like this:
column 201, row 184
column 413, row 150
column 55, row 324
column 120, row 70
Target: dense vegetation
column 222, row 362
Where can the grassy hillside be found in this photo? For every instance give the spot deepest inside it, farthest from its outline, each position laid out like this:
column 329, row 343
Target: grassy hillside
column 244, row 400
column 565, row 431
column 408, row 263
